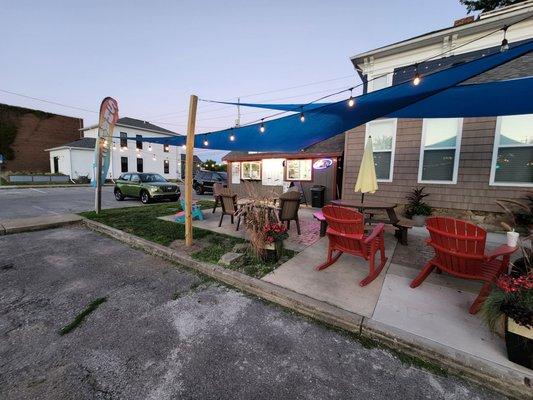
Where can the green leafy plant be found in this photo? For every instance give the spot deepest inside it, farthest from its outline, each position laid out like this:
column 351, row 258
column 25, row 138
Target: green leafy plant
column 520, row 213
column 415, row 204
column 487, row 5
column 512, row 296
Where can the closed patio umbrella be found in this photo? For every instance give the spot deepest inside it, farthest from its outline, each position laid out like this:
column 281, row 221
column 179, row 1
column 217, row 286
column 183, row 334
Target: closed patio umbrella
column 366, row 180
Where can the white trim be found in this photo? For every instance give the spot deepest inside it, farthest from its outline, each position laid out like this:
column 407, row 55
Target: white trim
column 495, row 149
column 372, row 80
column 456, row 156
column 393, row 145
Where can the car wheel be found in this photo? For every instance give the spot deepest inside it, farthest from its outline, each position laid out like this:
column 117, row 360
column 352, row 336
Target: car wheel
column 118, row 195
column 199, row 189
column 145, row 197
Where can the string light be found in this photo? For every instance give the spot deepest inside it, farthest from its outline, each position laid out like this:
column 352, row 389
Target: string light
column 416, row 79
column 262, row 128
column 302, row 116
column 505, row 42
column 232, row 136
column 206, row 142
column 351, row 100
column 183, row 146
column 153, row 156
column 150, row 147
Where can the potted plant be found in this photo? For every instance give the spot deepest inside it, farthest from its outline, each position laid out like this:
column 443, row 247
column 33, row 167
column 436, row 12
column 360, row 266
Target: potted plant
column 263, row 227
column 416, row 209
column 512, row 299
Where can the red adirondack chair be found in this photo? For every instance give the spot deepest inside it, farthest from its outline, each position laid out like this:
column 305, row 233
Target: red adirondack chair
column 460, row 251
column 346, row 234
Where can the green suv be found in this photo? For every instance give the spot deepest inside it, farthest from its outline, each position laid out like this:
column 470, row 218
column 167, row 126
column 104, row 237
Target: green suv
column 145, row 186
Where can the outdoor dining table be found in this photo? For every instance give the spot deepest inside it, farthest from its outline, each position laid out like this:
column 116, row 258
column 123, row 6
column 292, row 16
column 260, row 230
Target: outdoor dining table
column 392, row 218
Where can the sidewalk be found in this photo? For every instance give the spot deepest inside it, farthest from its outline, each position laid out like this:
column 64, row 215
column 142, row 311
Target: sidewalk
column 15, row 225
column 436, row 311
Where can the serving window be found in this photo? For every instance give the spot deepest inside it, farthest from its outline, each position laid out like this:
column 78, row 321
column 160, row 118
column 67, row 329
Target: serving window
column 251, row 170
column 299, row 170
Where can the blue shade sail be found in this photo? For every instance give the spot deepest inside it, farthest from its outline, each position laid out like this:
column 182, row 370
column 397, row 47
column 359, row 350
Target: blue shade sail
column 438, row 95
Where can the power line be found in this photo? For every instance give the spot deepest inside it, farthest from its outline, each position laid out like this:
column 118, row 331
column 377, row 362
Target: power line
column 184, row 111
column 376, row 77
column 48, row 101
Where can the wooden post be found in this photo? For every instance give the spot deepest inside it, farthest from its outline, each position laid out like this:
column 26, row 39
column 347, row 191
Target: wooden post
column 189, row 169
column 98, row 175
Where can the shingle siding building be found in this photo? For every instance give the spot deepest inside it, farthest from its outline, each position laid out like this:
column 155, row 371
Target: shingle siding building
column 464, row 163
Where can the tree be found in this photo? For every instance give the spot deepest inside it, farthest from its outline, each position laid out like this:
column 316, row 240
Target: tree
column 486, row 5
column 8, row 132
column 212, row 165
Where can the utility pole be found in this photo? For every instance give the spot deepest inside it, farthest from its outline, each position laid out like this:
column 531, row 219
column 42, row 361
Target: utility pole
column 189, row 155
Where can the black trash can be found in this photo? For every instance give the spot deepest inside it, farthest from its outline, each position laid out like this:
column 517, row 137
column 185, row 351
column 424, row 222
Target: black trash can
column 317, row 196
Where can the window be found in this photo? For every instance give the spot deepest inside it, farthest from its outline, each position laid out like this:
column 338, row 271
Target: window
column 123, row 139
column 235, row 173
column 512, row 157
column 139, row 164
column 139, row 141
column 251, row 170
column 166, row 148
column 123, row 164
column 380, row 82
column 383, row 134
column 166, row 165
column 273, row 171
column 299, row 170
column 439, row 150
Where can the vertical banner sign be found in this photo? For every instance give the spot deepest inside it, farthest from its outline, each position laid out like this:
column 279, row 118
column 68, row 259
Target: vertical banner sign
column 104, row 142
column 106, row 124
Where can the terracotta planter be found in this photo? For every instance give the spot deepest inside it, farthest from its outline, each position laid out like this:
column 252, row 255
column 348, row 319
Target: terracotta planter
column 519, row 342
column 273, row 252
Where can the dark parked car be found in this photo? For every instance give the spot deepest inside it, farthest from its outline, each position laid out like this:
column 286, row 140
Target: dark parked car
column 204, row 180
column 145, row 186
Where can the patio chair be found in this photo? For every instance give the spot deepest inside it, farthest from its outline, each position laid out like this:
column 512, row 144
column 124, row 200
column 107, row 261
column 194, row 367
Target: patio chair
column 346, row 234
column 217, row 190
column 460, row 251
column 228, row 203
column 289, row 204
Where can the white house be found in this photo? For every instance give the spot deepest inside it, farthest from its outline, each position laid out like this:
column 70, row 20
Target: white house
column 128, row 154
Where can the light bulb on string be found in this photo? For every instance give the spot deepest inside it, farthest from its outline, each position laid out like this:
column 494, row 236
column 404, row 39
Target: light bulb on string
column 351, row 100
column 206, row 142
column 505, row 42
column 153, row 156
column 262, row 128
column 232, row 136
column 416, row 79
column 302, row 116
column 150, row 147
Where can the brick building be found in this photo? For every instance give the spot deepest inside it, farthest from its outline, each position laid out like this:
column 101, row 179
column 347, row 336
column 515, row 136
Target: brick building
column 464, row 163
column 34, row 131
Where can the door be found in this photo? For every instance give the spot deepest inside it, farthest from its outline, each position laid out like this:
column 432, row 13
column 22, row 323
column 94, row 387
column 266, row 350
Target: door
column 134, row 187
column 56, row 165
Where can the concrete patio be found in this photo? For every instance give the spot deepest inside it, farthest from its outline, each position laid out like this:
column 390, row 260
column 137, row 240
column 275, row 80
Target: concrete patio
column 437, row 310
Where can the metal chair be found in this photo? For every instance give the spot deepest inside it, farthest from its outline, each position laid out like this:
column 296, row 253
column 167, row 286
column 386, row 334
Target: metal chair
column 228, row 203
column 217, row 190
column 289, row 204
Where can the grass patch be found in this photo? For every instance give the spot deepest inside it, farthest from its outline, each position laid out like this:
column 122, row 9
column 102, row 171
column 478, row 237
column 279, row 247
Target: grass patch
column 81, row 316
column 251, row 265
column 143, row 222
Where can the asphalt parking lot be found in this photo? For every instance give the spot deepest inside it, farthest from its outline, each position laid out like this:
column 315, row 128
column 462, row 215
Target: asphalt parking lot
column 165, row 333
column 31, row 202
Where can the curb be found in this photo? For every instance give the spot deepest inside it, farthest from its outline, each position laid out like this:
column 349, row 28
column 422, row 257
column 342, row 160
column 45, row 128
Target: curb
column 7, row 187
column 499, row 378
column 8, row 227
